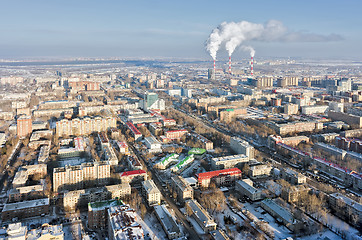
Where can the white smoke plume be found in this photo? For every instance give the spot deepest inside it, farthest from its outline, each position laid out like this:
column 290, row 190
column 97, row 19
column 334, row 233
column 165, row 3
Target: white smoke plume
column 234, row 34
column 250, row 49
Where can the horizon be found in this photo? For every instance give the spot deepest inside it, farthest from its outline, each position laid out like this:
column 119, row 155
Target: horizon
column 163, row 29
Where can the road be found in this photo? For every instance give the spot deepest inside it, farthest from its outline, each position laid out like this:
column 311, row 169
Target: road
column 154, row 176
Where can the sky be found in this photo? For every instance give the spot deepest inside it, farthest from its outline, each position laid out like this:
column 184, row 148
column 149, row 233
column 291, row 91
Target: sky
column 179, row 29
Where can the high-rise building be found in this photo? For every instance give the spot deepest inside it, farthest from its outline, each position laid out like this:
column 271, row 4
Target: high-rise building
column 76, row 177
column 287, row 81
column 261, row 82
column 24, row 126
column 84, row 126
column 151, row 101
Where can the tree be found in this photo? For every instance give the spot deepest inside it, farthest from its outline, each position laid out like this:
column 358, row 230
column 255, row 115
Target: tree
column 246, row 169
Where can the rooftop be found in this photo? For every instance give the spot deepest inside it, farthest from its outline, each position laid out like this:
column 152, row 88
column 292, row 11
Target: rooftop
column 150, row 187
column 250, row 188
column 96, row 206
column 230, row 171
column 26, row 204
column 200, row 213
column 279, row 210
column 166, row 219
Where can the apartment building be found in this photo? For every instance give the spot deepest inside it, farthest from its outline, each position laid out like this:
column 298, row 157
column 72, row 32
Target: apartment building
column 77, row 177
column 182, row 189
column 202, row 217
column 123, row 223
column 242, row 147
column 151, row 192
column 226, row 162
column 25, row 209
column 80, row 198
column 84, row 126
column 220, row 177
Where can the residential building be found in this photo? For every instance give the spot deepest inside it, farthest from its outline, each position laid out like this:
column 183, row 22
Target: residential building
column 242, row 147
column 80, row 198
column 24, row 126
column 51, row 232
column 346, row 208
column 166, row 161
column 135, row 132
column 84, row 126
column 2, row 139
column 291, row 109
column 281, row 213
column 226, row 162
column 97, row 213
column 23, row 173
column 25, row 209
column 133, row 176
column 123, row 147
column 26, row 193
column 77, row 177
column 182, row 164
column 314, row 109
column 245, row 187
column 168, row 223
column 220, row 177
column 219, row 235
column 261, row 170
column 16, row 231
column 151, row 192
column 293, row 177
column 122, row 223
column 294, row 193
column 182, row 189
column 353, row 120
column 153, row 145
column 203, row 219
column 175, row 134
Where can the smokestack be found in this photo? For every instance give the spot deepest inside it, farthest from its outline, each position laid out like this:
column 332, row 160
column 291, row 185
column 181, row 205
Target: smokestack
column 214, row 67
column 230, row 65
column 252, row 66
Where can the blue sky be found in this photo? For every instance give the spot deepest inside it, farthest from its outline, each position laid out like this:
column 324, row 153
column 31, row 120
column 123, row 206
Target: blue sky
column 170, row 28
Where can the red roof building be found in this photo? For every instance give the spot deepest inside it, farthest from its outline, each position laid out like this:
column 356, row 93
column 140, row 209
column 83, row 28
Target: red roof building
column 221, row 177
column 136, row 175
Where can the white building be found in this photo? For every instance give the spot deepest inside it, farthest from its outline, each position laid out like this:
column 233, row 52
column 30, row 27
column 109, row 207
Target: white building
column 314, row 109
column 245, row 187
column 241, row 147
column 151, row 192
column 153, row 144
column 168, row 223
column 226, row 162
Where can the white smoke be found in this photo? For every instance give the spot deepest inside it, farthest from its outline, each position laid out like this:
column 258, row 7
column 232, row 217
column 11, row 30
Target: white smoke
column 250, row 49
column 235, row 34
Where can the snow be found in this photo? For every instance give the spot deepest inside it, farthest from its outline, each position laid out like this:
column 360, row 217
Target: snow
column 280, row 231
column 196, row 226
column 151, row 226
column 337, row 225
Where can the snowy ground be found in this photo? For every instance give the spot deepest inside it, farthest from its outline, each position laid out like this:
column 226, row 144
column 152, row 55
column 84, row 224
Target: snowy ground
column 280, row 231
column 337, row 225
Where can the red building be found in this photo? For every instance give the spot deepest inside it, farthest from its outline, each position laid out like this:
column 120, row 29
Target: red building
column 175, row 134
column 24, row 126
column 133, row 176
column 220, row 177
column 136, row 133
